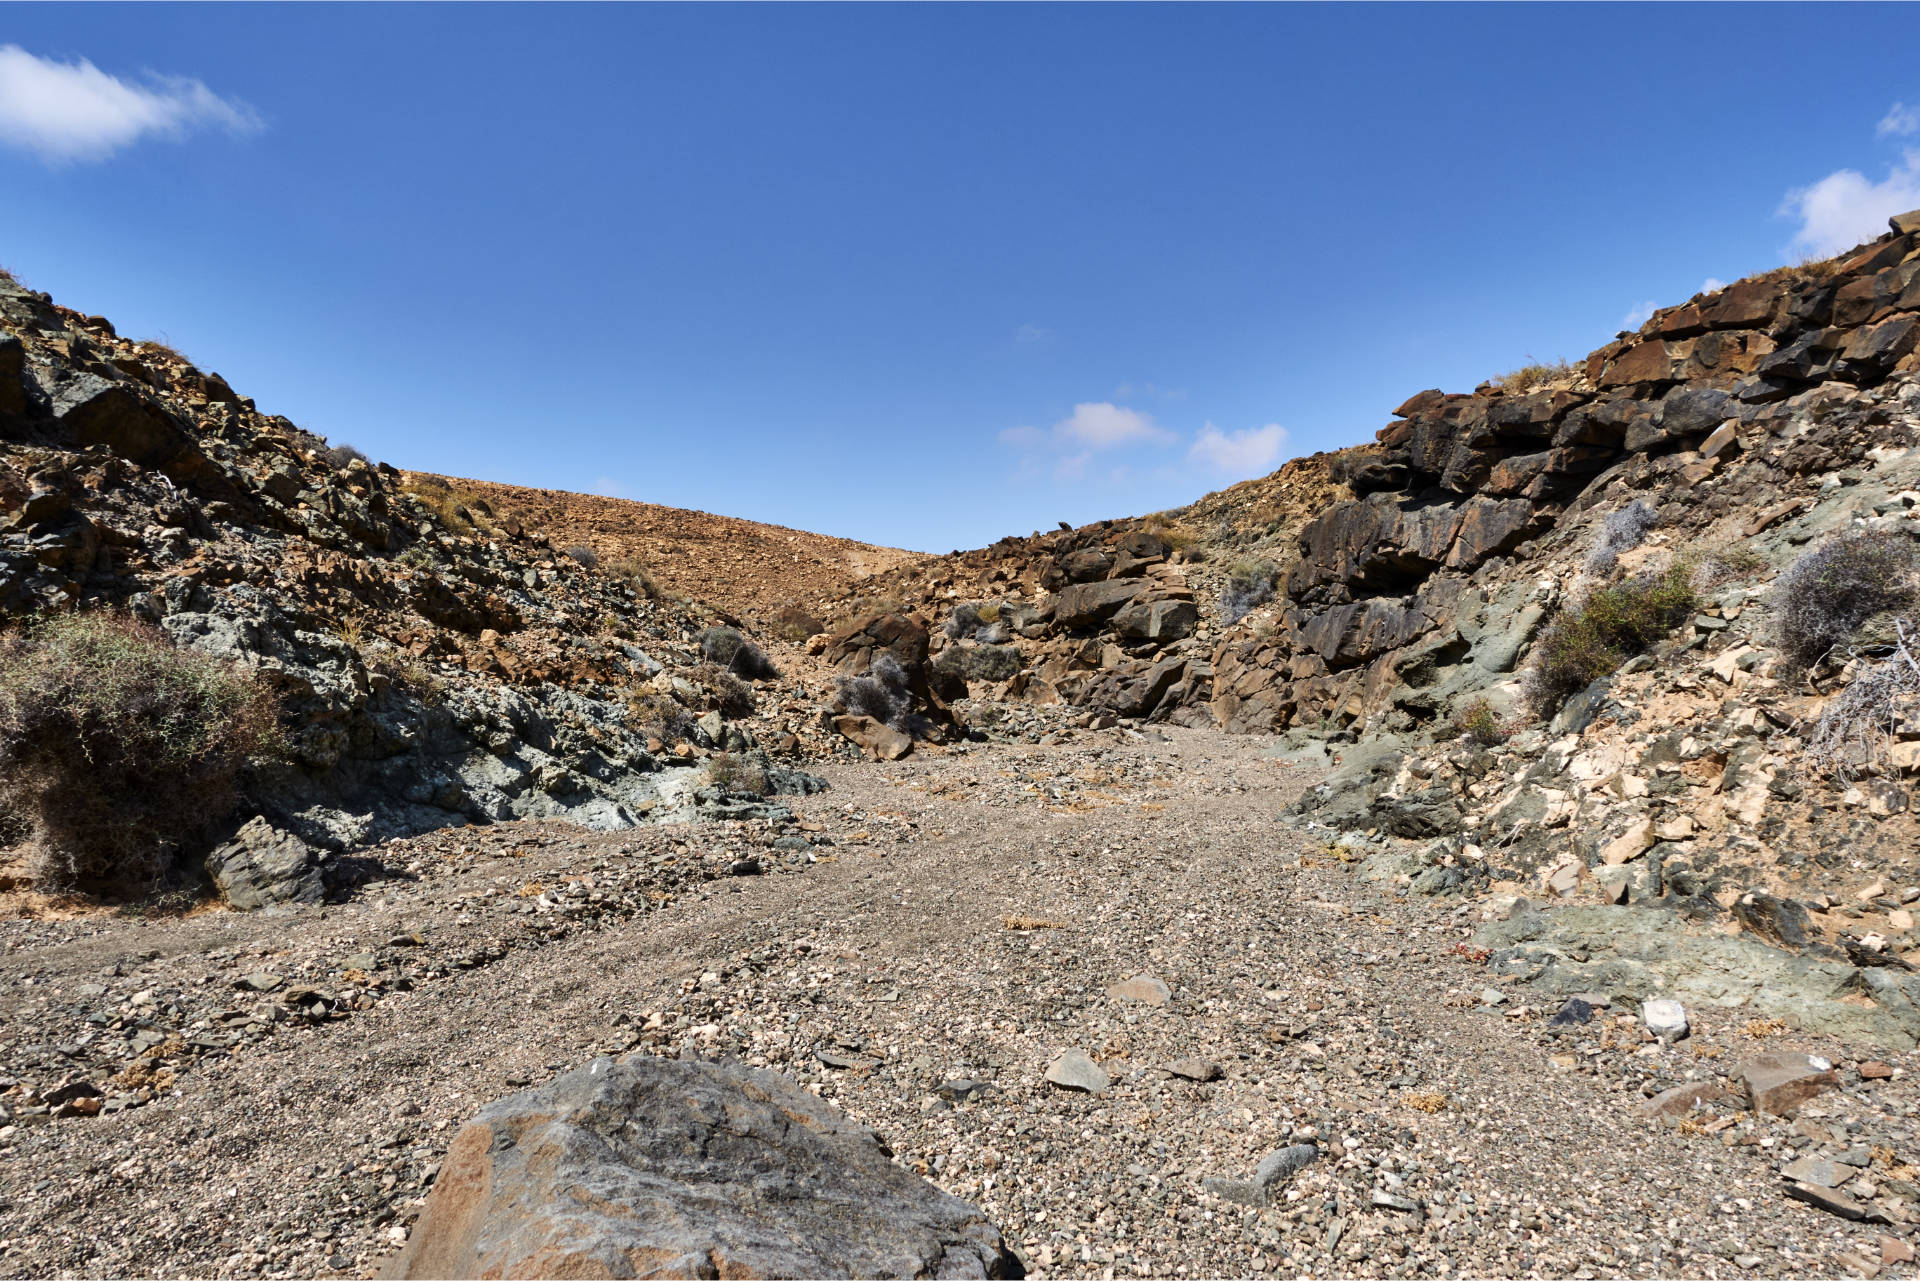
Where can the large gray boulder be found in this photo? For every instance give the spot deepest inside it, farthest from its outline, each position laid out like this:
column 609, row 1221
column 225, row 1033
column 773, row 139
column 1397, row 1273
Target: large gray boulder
column 660, row 1168
column 262, row 866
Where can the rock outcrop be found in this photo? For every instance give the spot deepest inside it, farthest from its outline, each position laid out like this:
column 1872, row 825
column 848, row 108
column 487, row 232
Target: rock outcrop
column 648, row 1167
column 439, row 663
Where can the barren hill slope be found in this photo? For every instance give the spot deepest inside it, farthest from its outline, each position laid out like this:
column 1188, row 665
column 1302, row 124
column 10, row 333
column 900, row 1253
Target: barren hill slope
column 743, row 566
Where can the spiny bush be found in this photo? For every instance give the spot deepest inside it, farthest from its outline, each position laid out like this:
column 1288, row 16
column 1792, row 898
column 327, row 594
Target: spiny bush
column 1592, row 639
column 341, row 455
column 884, row 693
column 583, row 556
column 727, row 647
column 1622, row 531
column 1249, row 585
column 119, row 748
column 1822, row 600
column 733, row 696
column 1730, row 563
column 1478, row 723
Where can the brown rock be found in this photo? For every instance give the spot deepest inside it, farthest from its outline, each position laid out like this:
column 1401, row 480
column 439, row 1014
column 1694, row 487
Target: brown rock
column 878, row 741
column 1779, row 1083
column 1681, row 1099
column 1145, row 988
column 1874, row 1070
column 662, row 1168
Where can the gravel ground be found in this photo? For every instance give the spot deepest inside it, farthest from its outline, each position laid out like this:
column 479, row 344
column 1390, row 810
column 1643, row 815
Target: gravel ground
column 918, row 945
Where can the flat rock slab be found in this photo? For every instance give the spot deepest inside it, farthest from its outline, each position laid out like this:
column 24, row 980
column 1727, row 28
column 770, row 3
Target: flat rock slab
column 663, row 1168
column 1834, row 1202
column 1779, row 1083
column 1681, row 1099
column 1145, row 988
column 1073, row 1070
column 1195, row 1069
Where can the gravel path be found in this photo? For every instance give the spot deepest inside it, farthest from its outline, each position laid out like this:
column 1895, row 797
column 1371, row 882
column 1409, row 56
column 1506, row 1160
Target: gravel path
column 919, row 945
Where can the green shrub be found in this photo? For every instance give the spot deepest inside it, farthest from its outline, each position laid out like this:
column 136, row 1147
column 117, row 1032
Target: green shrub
column 119, row 749
column 1477, row 722
column 1609, row 627
column 1822, row 600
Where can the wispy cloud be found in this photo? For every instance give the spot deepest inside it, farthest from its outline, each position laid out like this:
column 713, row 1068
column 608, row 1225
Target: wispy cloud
column 1239, row 454
column 1639, row 314
column 1100, row 424
column 73, row 111
column 1712, row 285
column 1899, row 121
column 1031, row 335
column 1846, row 207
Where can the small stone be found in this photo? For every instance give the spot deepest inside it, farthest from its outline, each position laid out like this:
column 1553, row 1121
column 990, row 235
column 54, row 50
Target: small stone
column 1388, row 1201
column 1144, row 988
column 1834, row 1202
column 842, row 1062
column 360, row 961
column 1073, row 1070
column 1893, row 1250
column 1284, row 1164
column 1492, row 996
column 258, row 981
column 1238, row 1191
column 745, row 867
column 1681, row 1099
column 1874, row 1070
column 1195, row 1069
column 1665, row 1018
column 961, row 1089
column 1575, row 1013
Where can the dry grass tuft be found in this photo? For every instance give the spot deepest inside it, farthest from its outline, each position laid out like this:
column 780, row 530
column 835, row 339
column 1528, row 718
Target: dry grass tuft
column 1015, row 922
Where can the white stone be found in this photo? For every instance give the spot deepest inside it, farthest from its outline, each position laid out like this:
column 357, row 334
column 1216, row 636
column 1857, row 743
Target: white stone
column 1665, row 1018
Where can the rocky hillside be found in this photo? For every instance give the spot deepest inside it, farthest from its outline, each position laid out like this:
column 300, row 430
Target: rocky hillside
column 751, row 569
column 437, row 665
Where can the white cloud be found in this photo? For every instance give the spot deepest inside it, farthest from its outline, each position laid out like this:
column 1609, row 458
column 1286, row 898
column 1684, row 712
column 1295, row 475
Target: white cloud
column 1640, row 314
column 1899, row 121
column 1100, row 424
column 1712, row 285
column 1030, row 334
column 1241, row 454
column 67, row 111
column 1845, row 208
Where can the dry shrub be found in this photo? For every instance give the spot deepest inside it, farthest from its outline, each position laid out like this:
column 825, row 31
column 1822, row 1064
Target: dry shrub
column 979, row 662
column 884, row 693
column 727, row 647
column 634, row 570
column 731, row 773
column 1822, row 600
column 978, row 620
column 733, row 696
column 342, row 454
column 583, row 556
column 119, row 748
column 663, row 717
column 1622, row 531
column 1592, row 639
column 1728, row 563
column 1534, row 374
column 1249, row 585
column 1858, row 727
column 793, row 624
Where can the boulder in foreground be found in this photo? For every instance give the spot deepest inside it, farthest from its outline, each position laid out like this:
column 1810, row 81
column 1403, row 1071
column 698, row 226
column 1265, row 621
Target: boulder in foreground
column 661, row 1168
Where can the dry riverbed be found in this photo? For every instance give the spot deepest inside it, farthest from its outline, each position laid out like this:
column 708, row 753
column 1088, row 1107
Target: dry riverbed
column 255, row 1095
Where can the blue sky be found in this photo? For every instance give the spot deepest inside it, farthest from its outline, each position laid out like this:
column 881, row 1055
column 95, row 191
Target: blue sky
column 918, row 275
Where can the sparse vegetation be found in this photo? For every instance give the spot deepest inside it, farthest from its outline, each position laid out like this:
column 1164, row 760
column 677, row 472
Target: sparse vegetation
column 793, row 624
column 341, row 455
column 162, row 348
column 457, row 509
column 1181, row 538
column 120, row 749
column 733, row 696
column 1478, row 723
column 1535, row 374
column 979, row 662
column 634, row 570
column 735, row 773
column 583, row 556
column 1593, row 638
column 1858, row 726
column 883, row 693
column 1729, row 563
column 407, row 671
column 1250, row 584
column 1829, row 592
column 663, row 717
column 978, row 620
column 727, row 647
column 1622, row 531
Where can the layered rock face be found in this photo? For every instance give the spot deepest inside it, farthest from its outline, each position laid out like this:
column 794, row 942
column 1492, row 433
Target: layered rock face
column 1390, row 588
column 435, row 667
column 660, row 1168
